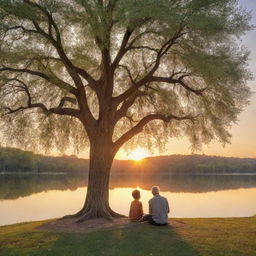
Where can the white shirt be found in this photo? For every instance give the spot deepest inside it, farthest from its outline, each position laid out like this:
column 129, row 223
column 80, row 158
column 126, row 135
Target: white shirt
column 159, row 209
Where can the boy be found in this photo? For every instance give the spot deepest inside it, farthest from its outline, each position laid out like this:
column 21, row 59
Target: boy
column 136, row 210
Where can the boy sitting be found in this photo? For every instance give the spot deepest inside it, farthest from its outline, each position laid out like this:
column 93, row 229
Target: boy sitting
column 136, row 209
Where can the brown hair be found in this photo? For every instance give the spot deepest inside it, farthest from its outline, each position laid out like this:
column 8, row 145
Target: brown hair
column 136, row 194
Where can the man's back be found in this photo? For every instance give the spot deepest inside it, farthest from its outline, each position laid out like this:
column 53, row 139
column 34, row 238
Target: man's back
column 159, row 209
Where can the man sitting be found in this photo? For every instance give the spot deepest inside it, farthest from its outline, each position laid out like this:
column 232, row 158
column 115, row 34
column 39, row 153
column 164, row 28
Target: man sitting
column 158, row 209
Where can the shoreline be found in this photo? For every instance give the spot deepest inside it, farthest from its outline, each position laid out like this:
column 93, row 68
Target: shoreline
column 134, row 174
column 174, row 218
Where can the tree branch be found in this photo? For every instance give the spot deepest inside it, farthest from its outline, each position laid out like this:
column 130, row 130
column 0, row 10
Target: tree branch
column 128, row 72
column 72, row 71
column 56, row 110
column 122, row 111
column 51, row 22
column 59, row 47
column 25, row 30
column 25, row 70
column 180, row 81
column 122, row 49
column 139, row 47
column 144, row 121
column 162, row 51
column 136, row 38
column 50, row 78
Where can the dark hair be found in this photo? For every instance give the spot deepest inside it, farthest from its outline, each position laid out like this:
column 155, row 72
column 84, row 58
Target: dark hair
column 136, row 194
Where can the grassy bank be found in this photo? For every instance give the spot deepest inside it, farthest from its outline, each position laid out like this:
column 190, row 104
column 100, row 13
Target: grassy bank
column 202, row 237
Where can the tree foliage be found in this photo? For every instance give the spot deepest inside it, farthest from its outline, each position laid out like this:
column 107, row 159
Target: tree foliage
column 68, row 65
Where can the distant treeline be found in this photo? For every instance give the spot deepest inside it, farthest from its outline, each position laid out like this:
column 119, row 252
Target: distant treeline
column 16, row 160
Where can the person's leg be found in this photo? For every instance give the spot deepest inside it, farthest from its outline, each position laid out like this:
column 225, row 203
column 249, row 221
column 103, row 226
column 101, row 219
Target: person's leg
column 146, row 217
column 149, row 219
column 165, row 224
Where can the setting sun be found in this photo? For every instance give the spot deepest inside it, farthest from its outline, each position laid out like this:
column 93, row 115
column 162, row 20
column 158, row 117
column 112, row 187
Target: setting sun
column 138, row 154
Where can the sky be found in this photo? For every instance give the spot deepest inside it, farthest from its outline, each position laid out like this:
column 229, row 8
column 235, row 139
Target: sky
column 243, row 141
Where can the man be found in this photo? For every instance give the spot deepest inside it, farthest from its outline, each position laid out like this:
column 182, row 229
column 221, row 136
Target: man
column 158, row 208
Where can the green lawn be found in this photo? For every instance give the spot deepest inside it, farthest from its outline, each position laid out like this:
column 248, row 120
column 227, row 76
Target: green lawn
column 202, row 237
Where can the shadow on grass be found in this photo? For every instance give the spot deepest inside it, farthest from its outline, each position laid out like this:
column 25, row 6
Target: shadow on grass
column 218, row 236
column 137, row 241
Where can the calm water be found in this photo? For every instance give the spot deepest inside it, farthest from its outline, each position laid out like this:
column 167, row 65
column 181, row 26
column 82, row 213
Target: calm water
column 37, row 197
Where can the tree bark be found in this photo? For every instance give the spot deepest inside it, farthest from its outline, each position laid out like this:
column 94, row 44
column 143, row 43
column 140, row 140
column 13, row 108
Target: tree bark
column 97, row 198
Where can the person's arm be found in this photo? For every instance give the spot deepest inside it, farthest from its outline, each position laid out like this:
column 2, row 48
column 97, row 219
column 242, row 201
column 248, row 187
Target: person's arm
column 130, row 211
column 150, row 207
column 141, row 209
column 168, row 208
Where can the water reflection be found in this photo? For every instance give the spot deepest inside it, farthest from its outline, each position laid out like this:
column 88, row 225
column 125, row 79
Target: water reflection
column 27, row 198
column 15, row 186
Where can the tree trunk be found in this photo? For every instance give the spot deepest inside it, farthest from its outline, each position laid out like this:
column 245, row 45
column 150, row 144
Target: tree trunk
column 97, row 198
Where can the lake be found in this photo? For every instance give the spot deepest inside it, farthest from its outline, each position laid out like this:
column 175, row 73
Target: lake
column 38, row 197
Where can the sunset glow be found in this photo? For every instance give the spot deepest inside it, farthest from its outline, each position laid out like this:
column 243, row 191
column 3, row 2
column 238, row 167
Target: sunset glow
column 138, row 154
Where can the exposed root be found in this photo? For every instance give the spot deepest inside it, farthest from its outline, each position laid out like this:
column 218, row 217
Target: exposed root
column 88, row 212
column 73, row 216
column 116, row 215
column 69, row 216
column 107, row 215
column 84, row 217
column 91, row 215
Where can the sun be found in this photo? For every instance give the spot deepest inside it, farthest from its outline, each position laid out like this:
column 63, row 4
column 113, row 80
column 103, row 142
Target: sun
column 138, row 154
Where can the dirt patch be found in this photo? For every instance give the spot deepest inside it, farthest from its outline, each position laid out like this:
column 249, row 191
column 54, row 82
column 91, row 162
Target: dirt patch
column 69, row 225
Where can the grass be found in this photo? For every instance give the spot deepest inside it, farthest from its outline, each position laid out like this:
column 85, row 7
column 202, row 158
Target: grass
column 201, row 237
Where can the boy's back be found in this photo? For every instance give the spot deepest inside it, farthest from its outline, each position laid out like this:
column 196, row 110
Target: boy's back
column 136, row 210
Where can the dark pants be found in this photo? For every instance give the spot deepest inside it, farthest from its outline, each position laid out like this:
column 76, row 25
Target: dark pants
column 150, row 220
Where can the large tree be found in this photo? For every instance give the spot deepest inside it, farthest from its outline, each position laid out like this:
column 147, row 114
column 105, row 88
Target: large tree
column 107, row 70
